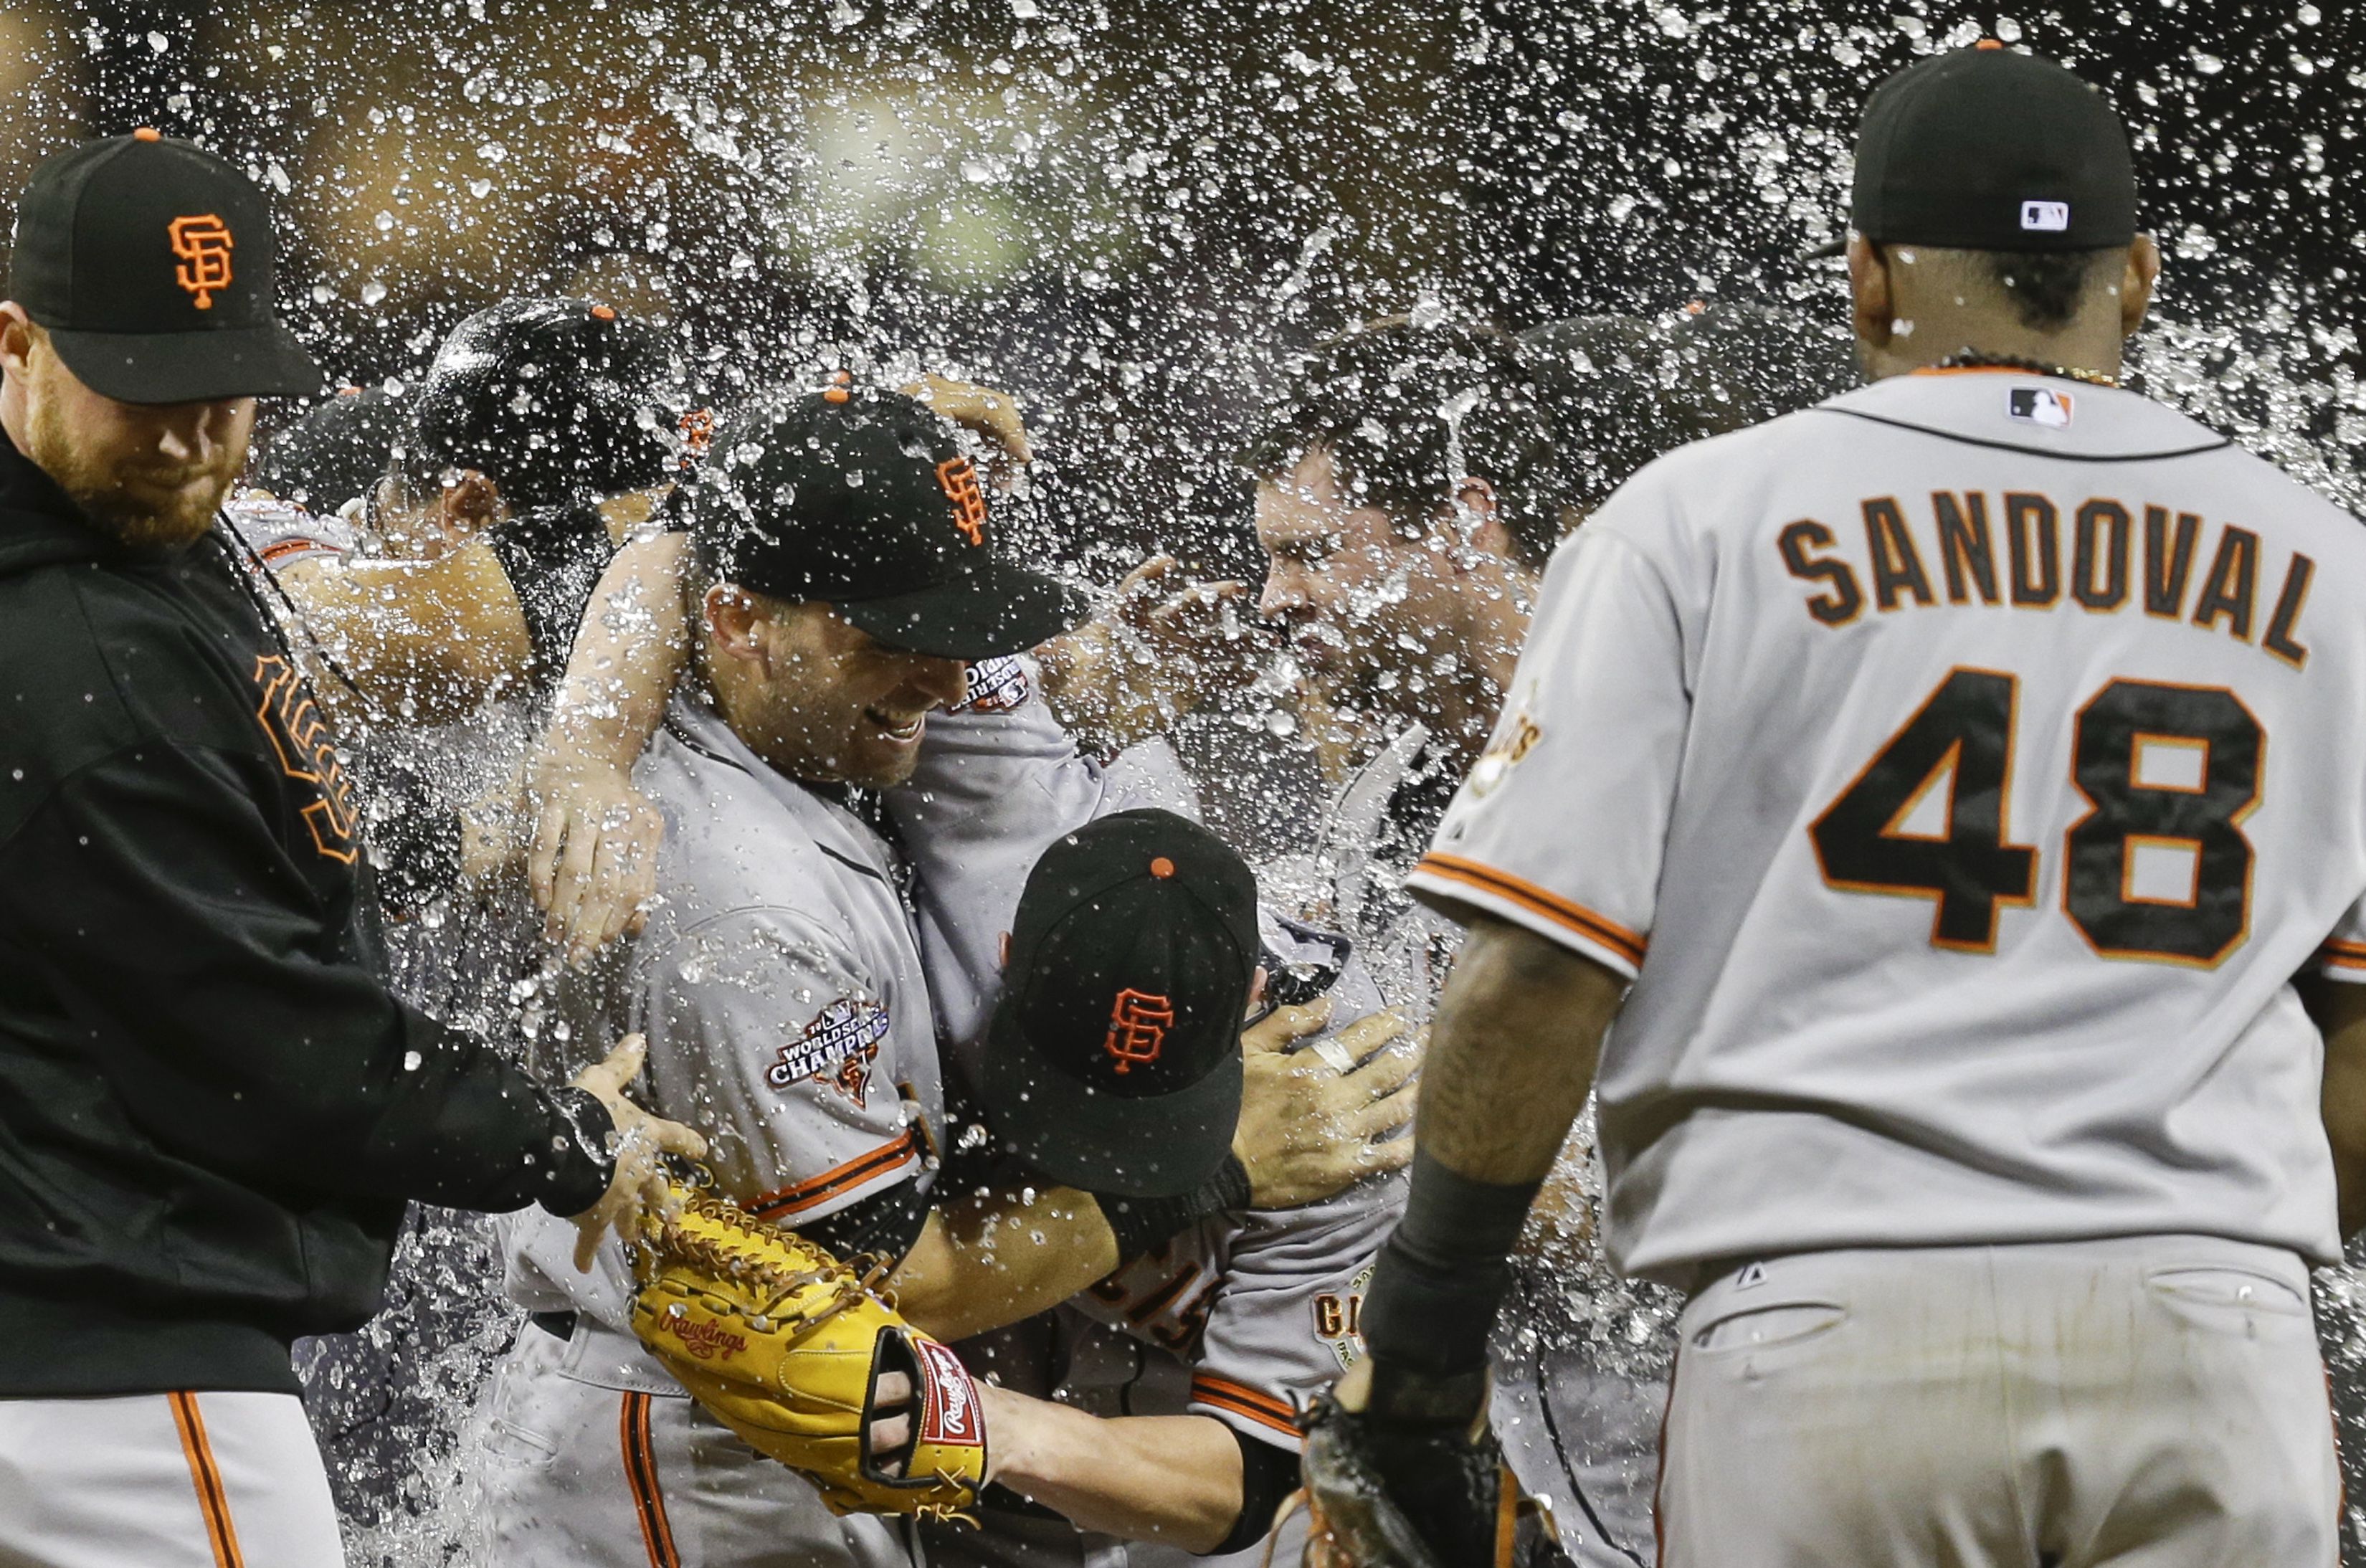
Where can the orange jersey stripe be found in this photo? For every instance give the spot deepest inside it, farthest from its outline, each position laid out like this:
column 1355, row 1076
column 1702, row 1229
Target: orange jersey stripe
column 837, row 1179
column 281, row 549
column 213, row 1503
column 1242, row 1400
column 2344, row 954
column 641, row 1478
column 1628, row 944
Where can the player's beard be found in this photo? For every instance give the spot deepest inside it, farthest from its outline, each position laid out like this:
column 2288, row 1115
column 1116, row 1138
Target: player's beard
column 144, row 506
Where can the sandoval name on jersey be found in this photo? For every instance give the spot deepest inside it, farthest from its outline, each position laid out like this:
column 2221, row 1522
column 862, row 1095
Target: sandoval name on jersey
column 2047, row 692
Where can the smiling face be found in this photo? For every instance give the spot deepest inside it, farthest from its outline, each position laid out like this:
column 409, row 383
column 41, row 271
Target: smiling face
column 148, row 474
column 1361, row 603
column 817, row 697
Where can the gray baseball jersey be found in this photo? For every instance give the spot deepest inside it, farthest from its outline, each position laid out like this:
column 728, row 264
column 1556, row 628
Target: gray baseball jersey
column 779, row 983
column 1963, row 768
column 1263, row 1308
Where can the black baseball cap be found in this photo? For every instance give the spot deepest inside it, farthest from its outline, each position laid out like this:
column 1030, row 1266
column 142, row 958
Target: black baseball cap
column 336, row 452
column 1114, row 1058
column 555, row 400
column 1988, row 148
column 151, row 263
column 862, row 498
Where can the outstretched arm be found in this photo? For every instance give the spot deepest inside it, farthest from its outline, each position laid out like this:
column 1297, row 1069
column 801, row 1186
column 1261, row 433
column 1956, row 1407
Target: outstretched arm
column 1174, row 1479
column 592, row 864
column 414, row 642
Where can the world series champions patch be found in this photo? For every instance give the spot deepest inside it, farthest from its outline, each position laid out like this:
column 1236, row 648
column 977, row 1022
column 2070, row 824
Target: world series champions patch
column 836, row 1049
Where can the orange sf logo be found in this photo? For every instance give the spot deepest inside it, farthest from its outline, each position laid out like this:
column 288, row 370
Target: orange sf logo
column 203, row 244
column 307, row 753
column 960, row 482
column 1138, row 1027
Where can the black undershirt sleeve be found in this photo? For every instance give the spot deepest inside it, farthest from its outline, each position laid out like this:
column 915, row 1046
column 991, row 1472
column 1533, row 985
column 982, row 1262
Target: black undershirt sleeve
column 1268, row 1474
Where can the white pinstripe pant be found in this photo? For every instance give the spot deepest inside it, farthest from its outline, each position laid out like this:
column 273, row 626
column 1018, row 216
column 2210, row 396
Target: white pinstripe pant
column 207, row 1479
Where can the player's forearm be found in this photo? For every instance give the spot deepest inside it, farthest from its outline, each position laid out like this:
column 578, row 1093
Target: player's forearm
column 1512, row 1053
column 997, row 1258
column 2339, row 1010
column 1175, row 1479
column 630, row 651
column 415, row 642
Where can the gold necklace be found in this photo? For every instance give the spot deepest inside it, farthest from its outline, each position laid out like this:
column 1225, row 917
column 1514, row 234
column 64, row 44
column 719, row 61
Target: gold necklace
column 1973, row 359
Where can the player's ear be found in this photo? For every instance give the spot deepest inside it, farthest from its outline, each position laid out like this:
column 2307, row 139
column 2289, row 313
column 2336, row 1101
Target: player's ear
column 1002, row 952
column 1872, row 294
column 1479, row 516
column 2136, row 282
column 1256, row 992
column 471, row 504
column 733, row 623
column 16, row 340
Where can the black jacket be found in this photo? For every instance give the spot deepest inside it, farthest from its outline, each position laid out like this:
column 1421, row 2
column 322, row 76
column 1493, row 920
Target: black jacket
column 210, row 1113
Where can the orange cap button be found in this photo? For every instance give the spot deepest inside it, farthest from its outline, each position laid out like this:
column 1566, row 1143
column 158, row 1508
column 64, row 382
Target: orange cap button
column 835, row 395
column 146, row 133
column 605, row 312
column 1162, row 868
column 1990, row 43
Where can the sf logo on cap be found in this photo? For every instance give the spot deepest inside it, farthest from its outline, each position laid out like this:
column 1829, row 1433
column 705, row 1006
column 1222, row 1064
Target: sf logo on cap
column 1138, row 1026
column 959, row 480
column 203, row 244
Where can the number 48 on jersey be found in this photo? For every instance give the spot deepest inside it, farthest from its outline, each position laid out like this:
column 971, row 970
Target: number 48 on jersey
column 1880, row 836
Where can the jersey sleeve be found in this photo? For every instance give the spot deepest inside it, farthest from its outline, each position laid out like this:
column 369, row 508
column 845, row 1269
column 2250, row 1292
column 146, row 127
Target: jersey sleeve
column 1562, row 822
column 765, row 1034
column 278, row 531
column 997, row 780
column 1289, row 1319
column 2343, row 956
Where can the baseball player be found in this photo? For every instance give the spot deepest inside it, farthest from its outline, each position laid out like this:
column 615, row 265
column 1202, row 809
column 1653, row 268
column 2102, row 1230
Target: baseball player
column 783, row 991
column 1238, row 1320
column 535, row 417
column 214, row 1113
column 1941, row 788
column 1371, row 544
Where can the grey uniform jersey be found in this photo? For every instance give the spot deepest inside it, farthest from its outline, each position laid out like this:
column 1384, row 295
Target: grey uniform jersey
column 1963, row 768
column 1247, row 1316
column 1352, row 879
column 780, row 986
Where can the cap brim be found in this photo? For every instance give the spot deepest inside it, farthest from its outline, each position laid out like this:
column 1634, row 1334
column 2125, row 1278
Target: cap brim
column 190, row 368
column 990, row 610
column 1826, row 251
column 1161, row 1146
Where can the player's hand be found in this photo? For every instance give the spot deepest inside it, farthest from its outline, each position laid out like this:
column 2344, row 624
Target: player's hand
column 1317, row 1120
column 641, row 1143
column 984, row 411
column 593, row 864
column 888, row 1433
column 1160, row 651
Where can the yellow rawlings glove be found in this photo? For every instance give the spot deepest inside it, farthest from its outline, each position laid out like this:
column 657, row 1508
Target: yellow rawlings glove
column 786, row 1345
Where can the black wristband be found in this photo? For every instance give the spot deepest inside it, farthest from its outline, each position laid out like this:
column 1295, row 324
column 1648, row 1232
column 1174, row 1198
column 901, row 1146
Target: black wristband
column 1141, row 1223
column 582, row 1150
column 1444, row 1272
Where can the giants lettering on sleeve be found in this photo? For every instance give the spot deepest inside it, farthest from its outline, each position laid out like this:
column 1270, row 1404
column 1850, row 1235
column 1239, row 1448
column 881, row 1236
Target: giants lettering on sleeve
column 2028, row 551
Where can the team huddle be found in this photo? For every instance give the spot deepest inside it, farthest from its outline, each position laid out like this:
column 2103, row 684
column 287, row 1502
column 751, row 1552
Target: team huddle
column 695, row 838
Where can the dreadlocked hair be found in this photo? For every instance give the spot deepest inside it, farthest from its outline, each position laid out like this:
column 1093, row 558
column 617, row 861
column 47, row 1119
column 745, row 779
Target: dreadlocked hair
column 1407, row 411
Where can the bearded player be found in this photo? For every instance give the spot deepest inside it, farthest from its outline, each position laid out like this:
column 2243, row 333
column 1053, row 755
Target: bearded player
column 1959, row 775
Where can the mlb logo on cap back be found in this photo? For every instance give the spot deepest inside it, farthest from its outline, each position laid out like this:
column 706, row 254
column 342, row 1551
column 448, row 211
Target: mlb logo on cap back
column 2045, row 217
